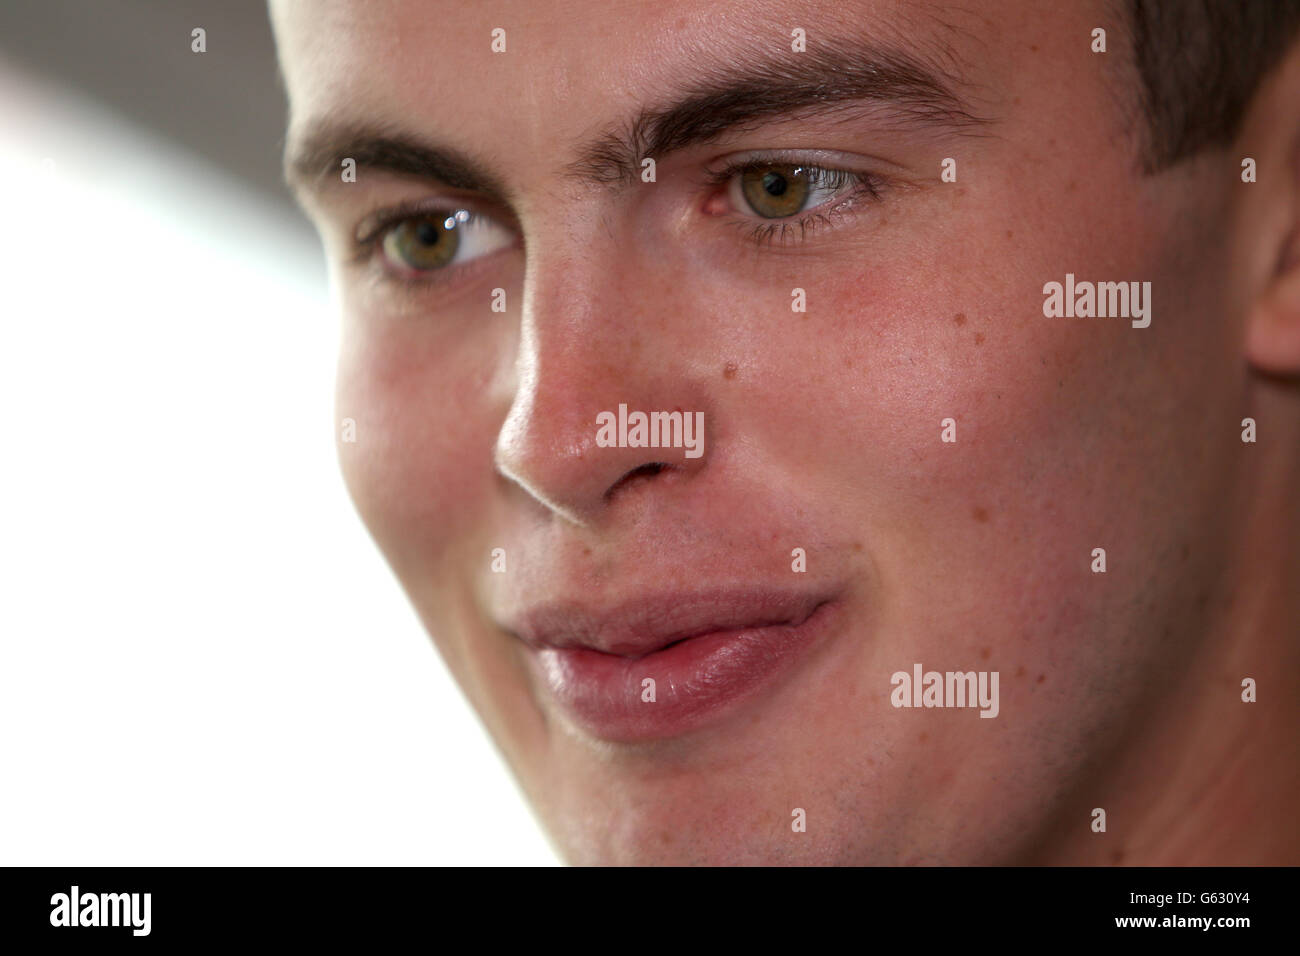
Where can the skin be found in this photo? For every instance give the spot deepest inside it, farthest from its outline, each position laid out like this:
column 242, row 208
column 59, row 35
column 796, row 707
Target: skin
column 475, row 431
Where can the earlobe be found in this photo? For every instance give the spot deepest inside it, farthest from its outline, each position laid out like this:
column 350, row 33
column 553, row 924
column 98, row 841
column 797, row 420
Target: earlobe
column 1273, row 334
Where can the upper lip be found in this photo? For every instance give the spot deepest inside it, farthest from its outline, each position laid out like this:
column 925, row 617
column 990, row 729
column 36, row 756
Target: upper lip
column 647, row 624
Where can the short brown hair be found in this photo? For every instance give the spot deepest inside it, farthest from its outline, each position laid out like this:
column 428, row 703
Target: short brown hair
column 1200, row 62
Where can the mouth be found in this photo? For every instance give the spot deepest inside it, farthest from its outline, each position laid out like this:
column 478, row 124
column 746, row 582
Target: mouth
column 657, row 668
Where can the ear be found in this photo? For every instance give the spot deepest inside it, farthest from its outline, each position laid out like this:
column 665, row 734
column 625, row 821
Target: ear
column 1273, row 330
column 1273, row 124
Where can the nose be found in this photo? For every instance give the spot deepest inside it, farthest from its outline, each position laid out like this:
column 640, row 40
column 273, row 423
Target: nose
column 607, row 407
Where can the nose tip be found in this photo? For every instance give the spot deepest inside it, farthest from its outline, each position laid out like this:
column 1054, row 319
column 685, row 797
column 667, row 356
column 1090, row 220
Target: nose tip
column 553, row 448
column 600, row 366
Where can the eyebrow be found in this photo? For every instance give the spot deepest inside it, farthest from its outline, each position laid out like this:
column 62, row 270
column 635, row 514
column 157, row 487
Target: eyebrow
column 832, row 74
column 320, row 153
column 824, row 79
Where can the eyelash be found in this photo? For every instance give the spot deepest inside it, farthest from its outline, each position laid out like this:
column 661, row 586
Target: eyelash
column 371, row 233
column 779, row 231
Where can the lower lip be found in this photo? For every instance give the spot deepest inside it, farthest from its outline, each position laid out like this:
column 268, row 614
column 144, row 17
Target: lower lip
column 697, row 681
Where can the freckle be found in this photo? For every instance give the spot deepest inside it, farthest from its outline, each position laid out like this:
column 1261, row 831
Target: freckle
column 1117, row 857
column 586, row 552
column 924, row 737
column 1041, row 678
column 985, row 652
column 1010, row 233
column 1033, row 48
column 870, row 762
column 979, row 338
column 848, row 362
column 857, row 546
column 729, row 370
column 1202, row 599
column 980, row 515
column 1071, row 186
column 1020, row 671
column 1187, row 552
column 960, row 318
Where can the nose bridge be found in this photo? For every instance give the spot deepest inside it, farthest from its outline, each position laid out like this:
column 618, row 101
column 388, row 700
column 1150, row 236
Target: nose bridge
column 592, row 341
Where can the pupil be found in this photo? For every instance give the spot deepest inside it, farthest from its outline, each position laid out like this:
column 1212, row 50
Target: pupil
column 427, row 233
column 774, row 184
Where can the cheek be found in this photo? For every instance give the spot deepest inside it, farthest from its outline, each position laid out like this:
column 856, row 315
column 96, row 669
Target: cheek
column 1049, row 418
column 419, row 470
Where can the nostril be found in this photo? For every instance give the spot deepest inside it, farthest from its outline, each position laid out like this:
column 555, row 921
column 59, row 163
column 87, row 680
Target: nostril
column 643, row 471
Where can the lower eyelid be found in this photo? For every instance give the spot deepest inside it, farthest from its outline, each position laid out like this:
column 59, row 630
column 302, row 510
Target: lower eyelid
column 779, row 231
column 447, row 273
column 446, row 282
column 370, row 247
column 866, row 188
column 794, row 229
column 863, row 184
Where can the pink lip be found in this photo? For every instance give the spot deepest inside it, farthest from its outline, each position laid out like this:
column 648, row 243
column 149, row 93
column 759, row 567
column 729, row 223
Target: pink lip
column 705, row 653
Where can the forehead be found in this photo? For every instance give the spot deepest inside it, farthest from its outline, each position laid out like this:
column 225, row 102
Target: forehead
column 558, row 39
column 576, row 73
column 569, row 62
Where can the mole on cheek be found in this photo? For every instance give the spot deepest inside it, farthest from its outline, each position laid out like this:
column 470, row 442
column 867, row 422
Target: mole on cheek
column 729, row 370
column 980, row 515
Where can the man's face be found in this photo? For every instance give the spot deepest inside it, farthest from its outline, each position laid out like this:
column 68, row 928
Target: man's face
column 477, row 428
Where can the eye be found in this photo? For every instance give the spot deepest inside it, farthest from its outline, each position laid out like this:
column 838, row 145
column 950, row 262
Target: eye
column 433, row 240
column 780, row 190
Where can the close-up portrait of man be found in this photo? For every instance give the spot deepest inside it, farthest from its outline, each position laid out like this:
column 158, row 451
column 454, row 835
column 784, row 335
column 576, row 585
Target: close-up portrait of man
column 833, row 433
